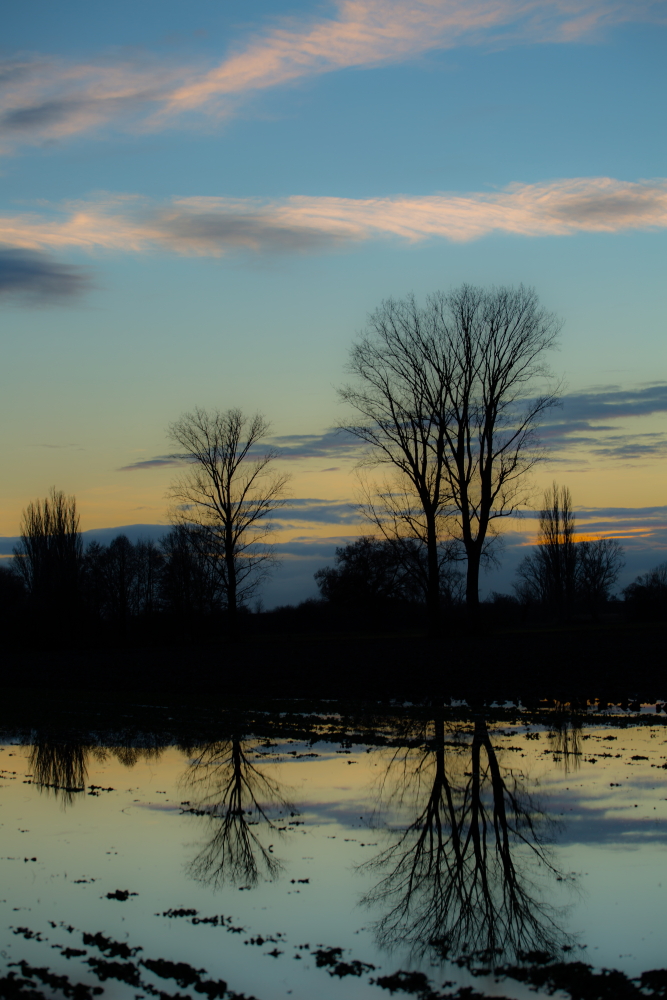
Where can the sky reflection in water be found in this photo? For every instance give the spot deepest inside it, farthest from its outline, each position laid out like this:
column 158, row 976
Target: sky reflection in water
column 432, row 838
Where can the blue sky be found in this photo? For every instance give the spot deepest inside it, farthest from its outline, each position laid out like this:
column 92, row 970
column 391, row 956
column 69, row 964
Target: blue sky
column 201, row 203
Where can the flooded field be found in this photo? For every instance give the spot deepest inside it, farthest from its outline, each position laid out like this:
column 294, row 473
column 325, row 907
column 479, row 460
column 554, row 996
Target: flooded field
column 313, row 854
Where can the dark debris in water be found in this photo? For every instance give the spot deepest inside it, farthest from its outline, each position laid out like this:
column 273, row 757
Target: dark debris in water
column 417, row 984
column 217, row 920
column 108, row 968
column 331, row 959
column 121, row 894
column 27, row 987
column 537, row 970
column 109, row 947
column 27, row 933
column 185, row 975
column 124, row 972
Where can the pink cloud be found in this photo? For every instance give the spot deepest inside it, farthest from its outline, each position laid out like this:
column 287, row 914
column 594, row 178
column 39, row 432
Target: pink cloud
column 46, row 100
column 371, row 32
column 214, row 226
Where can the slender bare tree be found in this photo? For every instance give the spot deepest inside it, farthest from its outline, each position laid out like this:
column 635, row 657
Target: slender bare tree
column 226, row 495
column 450, row 395
column 557, row 544
column 548, row 575
column 49, row 556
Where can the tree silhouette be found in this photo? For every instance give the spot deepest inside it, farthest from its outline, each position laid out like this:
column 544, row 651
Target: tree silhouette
column 226, row 496
column 599, row 563
column 561, row 569
column 189, row 584
column 449, row 398
column 548, row 574
column 49, row 555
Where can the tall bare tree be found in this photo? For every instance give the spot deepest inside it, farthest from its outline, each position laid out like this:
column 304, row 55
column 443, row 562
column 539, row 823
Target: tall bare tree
column 548, row 575
column 226, row 496
column 561, row 571
column 50, row 553
column 557, row 543
column 400, row 388
column 450, row 395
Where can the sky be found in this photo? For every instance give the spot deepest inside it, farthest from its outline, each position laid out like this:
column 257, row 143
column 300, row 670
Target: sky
column 201, row 204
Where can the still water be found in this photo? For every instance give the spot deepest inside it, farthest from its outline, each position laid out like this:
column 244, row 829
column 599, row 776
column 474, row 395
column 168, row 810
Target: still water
column 312, row 854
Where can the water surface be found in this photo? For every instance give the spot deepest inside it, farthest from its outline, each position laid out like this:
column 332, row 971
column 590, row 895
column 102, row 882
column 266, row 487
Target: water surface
column 312, row 854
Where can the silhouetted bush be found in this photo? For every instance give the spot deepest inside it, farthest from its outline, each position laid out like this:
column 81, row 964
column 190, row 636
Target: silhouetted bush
column 49, row 560
column 371, row 574
column 646, row 597
column 12, row 593
column 593, row 567
column 503, row 609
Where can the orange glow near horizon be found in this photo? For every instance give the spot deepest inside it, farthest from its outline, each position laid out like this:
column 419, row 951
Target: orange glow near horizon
column 108, row 497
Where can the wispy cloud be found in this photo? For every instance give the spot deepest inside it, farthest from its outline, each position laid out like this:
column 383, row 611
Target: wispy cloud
column 43, row 99
column 37, row 279
column 372, row 32
column 593, row 424
column 214, row 226
column 332, row 442
column 622, row 516
column 159, row 462
column 294, row 447
column 588, row 424
column 640, row 529
column 318, row 512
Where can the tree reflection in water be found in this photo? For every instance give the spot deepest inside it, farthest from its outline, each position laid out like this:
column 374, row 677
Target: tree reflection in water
column 236, row 798
column 464, row 875
column 565, row 740
column 60, row 767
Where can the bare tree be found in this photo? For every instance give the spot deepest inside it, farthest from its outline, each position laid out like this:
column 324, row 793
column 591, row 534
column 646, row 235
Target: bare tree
column 549, row 574
column 189, row 584
column 400, row 389
column 226, row 496
column 49, row 555
column 646, row 596
column 599, row 563
column 557, row 544
column 450, row 396
column 561, row 570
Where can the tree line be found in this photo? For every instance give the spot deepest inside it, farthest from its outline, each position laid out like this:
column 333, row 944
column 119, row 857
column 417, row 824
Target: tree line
column 447, row 398
column 62, row 585
column 561, row 578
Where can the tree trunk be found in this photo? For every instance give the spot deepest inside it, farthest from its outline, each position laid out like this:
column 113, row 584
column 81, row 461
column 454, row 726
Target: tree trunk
column 232, row 608
column 433, row 587
column 472, row 582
